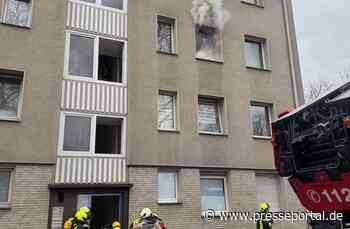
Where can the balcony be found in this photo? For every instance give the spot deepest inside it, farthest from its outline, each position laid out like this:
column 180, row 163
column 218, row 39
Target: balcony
column 90, row 170
column 94, row 97
column 97, row 19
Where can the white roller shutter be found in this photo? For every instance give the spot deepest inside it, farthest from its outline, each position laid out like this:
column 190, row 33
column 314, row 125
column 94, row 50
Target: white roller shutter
column 268, row 189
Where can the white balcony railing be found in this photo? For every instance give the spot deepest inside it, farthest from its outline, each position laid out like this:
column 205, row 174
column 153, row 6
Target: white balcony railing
column 96, row 19
column 95, row 97
column 90, row 170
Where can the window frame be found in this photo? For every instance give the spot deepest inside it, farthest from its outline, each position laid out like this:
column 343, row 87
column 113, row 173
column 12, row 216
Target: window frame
column 94, row 77
column 269, row 109
column 4, row 14
column 169, row 201
column 226, row 196
column 219, row 102
column 99, row 4
column 221, row 59
column 174, row 43
column 175, row 110
column 7, row 205
column 21, row 76
column 91, row 152
column 263, row 51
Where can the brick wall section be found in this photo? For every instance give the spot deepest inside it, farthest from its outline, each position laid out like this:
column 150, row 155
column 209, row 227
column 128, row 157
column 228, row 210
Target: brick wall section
column 241, row 195
column 30, row 199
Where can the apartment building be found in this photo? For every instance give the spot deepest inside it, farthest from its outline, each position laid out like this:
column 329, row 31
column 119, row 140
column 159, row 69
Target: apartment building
column 119, row 105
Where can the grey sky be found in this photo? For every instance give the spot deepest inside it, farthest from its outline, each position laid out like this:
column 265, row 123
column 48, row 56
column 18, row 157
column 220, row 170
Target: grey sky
column 323, row 33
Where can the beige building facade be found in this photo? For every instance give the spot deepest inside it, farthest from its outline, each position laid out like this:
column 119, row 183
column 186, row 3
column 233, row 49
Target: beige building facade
column 119, row 105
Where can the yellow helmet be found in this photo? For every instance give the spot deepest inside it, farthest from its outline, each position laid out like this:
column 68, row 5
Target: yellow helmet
column 116, row 225
column 83, row 214
column 264, row 206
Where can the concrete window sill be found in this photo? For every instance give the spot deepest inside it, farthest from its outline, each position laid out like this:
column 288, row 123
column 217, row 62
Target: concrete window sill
column 169, row 202
column 252, row 4
column 169, row 131
column 168, row 53
column 5, row 206
column 259, row 69
column 262, row 137
column 213, row 134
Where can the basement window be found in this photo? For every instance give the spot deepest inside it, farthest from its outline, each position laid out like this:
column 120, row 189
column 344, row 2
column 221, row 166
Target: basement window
column 110, row 60
column 108, row 136
column 208, row 43
column 18, row 12
column 91, row 134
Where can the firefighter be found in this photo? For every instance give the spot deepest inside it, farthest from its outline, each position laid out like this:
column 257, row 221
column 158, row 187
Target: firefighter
column 263, row 222
column 116, row 225
column 80, row 220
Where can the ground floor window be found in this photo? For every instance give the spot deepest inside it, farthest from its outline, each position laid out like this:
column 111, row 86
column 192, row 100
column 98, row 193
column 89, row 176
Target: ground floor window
column 213, row 194
column 5, row 184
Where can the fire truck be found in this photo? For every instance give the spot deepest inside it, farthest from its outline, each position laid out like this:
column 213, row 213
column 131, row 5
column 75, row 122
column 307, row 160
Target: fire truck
column 311, row 147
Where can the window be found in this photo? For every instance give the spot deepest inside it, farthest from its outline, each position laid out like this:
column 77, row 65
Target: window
column 105, row 208
column 81, row 57
column 18, row 12
column 213, row 194
column 108, row 136
column 268, row 189
column 167, row 183
column 260, row 118
column 166, row 34
column 92, row 134
column 5, row 183
column 95, row 58
column 10, row 94
column 167, row 111
column 77, row 131
column 208, row 43
column 255, row 53
column 110, row 61
column 209, row 115
column 116, row 4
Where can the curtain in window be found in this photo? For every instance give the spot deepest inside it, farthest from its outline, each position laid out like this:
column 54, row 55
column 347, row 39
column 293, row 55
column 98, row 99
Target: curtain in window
column 9, row 96
column 117, row 4
column 81, row 56
column 167, row 186
column 4, row 185
column 165, row 36
column 253, row 54
column 212, row 194
column 260, row 121
column 18, row 12
column 209, row 117
column 166, row 112
column 77, row 134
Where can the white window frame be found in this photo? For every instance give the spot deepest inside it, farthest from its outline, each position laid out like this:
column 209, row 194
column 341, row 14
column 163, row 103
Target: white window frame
column 90, row 153
column 169, row 201
column 4, row 13
column 6, row 205
column 16, row 74
column 99, row 4
column 269, row 109
column 175, row 112
column 174, row 39
column 224, row 178
column 219, row 102
column 94, row 77
column 264, row 51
